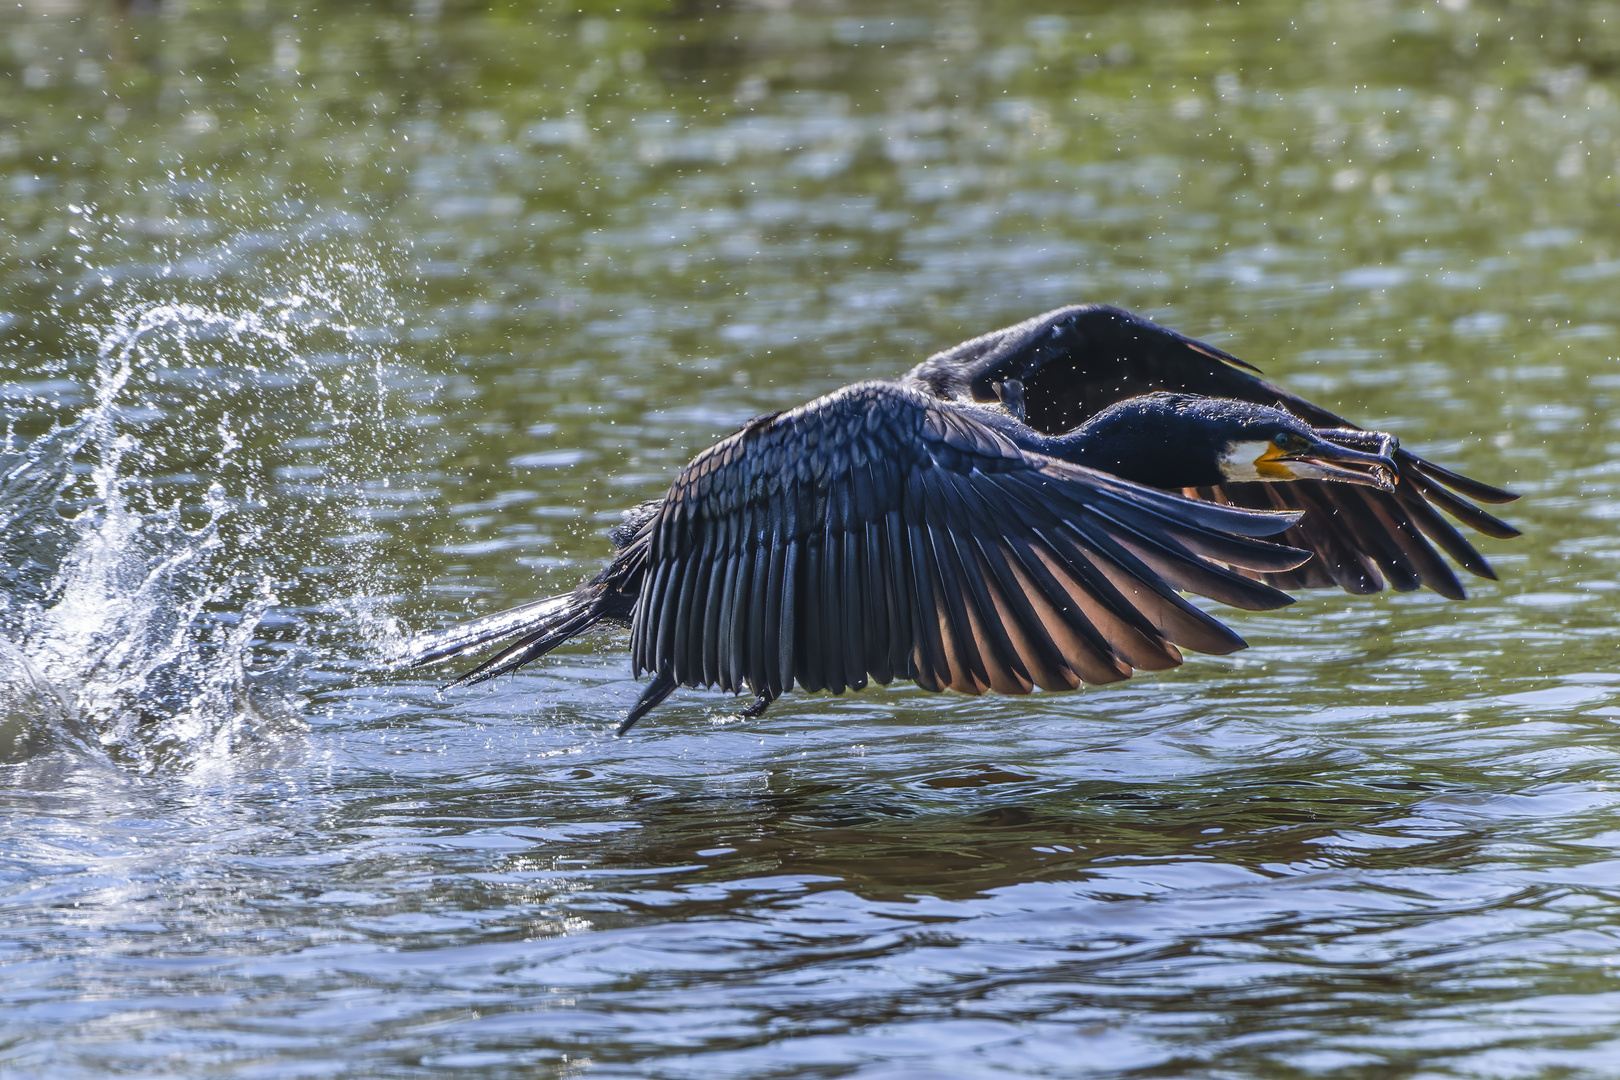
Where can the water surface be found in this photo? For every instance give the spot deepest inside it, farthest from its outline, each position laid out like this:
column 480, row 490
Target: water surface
column 322, row 326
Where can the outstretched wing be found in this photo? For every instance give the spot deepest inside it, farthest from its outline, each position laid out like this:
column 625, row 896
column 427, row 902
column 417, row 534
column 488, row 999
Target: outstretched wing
column 878, row 533
column 1061, row 368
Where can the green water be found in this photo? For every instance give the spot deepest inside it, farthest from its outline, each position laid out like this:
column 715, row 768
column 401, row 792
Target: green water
column 374, row 316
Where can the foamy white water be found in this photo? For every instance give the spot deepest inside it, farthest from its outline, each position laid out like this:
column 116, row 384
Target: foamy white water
column 145, row 628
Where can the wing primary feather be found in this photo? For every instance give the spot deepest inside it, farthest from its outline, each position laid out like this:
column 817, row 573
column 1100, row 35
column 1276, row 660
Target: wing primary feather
column 1041, row 657
column 1457, row 482
column 736, row 665
column 809, row 669
column 1069, row 486
column 952, row 657
column 1001, row 656
column 1062, row 603
column 754, row 644
column 638, row 621
column 897, row 579
column 1395, row 516
column 639, row 618
column 967, row 665
column 1186, row 571
column 1465, row 512
column 688, row 668
column 1002, row 642
column 1314, row 573
column 771, row 653
column 1078, row 586
column 832, row 608
column 1442, row 532
column 960, row 630
column 1352, row 568
column 669, row 580
column 1133, row 634
column 714, row 600
column 855, row 604
column 1354, row 507
column 1131, row 605
column 1174, row 620
column 879, row 594
column 649, row 605
column 930, row 667
column 787, row 627
column 1262, row 556
column 728, row 608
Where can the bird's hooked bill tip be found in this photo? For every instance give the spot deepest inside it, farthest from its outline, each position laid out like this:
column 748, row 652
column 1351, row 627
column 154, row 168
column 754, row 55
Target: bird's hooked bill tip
column 1341, row 463
column 1383, row 477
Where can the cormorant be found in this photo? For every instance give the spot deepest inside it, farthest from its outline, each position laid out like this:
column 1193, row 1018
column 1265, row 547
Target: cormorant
column 1018, row 511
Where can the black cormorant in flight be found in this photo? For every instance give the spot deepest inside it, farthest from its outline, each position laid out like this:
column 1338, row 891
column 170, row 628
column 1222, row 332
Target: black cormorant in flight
column 1018, row 511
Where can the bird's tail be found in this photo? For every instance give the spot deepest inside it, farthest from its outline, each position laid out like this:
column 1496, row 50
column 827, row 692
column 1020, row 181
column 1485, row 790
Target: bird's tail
column 538, row 628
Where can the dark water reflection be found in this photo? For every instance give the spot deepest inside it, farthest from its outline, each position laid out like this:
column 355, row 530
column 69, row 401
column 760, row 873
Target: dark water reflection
column 364, row 320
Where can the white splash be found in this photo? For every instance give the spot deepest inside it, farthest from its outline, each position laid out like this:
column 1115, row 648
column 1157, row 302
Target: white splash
column 140, row 645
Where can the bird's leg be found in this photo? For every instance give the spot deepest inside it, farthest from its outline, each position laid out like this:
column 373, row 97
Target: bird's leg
column 762, row 701
column 656, row 691
column 1011, row 393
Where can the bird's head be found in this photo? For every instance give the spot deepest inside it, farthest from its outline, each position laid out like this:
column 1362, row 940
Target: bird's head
column 1185, row 440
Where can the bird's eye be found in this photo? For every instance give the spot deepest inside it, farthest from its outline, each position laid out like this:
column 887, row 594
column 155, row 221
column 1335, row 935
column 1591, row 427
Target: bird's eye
column 1288, row 440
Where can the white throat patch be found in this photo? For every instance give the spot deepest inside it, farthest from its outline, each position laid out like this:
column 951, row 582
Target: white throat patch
column 1237, row 464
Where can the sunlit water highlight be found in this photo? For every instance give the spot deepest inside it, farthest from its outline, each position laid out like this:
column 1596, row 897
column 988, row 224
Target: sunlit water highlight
column 396, row 345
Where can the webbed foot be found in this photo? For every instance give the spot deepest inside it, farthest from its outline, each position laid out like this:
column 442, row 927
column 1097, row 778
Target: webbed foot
column 761, row 703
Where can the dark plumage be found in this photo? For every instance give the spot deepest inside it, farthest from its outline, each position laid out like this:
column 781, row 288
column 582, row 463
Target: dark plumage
column 1061, row 368
column 997, row 519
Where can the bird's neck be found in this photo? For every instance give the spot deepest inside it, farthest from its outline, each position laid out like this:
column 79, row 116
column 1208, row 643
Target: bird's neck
column 1111, row 451
column 1156, row 450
